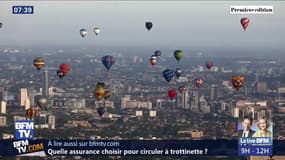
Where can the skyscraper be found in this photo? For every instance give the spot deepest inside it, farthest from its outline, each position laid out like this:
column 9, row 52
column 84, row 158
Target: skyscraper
column 51, row 122
column 185, row 100
column 46, row 87
column 24, row 96
column 214, row 92
column 3, row 107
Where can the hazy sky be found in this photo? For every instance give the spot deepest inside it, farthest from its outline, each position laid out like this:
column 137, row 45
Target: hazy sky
column 176, row 24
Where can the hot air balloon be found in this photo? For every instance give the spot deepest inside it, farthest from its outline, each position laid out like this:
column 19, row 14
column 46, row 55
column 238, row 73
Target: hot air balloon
column 198, row 82
column 178, row 72
column 178, row 54
column 47, row 107
column 64, row 68
column 209, row 64
column 96, row 30
column 1, row 24
column 99, row 92
column 39, row 63
column 107, row 95
column 244, row 23
column 101, row 111
column 238, row 81
column 83, row 32
column 148, row 25
column 42, row 102
column 172, row 94
column 31, row 113
column 153, row 60
column 182, row 89
column 59, row 74
column 157, row 53
column 168, row 74
column 108, row 61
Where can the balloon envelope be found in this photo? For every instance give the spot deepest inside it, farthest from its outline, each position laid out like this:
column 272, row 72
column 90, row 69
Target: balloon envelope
column 108, row 61
column 153, row 60
column 39, row 62
column 168, row 74
column 157, row 53
column 96, row 30
column 31, row 113
column 178, row 72
column 178, row 54
column 148, row 25
column 209, row 64
column 182, row 89
column 199, row 81
column 101, row 111
column 83, row 32
column 238, row 81
column 171, row 94
column 244, row 22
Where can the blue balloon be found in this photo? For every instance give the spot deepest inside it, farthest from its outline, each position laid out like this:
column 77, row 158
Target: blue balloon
column 157, row 53
column 108, row 61
column 168, row 74
column 101, row 111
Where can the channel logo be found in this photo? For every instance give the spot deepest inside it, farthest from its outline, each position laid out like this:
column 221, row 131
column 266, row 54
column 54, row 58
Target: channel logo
column 24, row 129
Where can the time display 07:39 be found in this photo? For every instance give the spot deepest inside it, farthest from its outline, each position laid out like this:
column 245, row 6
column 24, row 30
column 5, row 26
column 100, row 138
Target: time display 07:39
column 23, row 9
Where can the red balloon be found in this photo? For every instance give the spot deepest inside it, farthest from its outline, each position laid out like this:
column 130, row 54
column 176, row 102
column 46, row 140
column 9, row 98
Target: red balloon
column 31, row 113
column 244, row 22
column 172, row 94
column 64, row 68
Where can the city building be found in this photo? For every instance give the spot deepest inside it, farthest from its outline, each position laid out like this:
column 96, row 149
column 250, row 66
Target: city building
column 3, row 107
column 3, row 121
column 185, row 100
column 51, row 122
column 261, row 87
column 214, row 92
column 24, row 96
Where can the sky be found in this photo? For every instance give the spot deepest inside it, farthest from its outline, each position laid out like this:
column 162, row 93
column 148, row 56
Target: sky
column 122, row 23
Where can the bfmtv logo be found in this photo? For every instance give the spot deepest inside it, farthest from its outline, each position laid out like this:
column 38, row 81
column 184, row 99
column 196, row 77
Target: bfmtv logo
column 24, row 129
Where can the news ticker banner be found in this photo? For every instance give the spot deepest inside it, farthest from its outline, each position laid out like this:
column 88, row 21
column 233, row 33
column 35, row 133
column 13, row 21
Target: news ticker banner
column 28, row 147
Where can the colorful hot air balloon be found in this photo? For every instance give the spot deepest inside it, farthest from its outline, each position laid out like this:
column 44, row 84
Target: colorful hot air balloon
column 42, row 102
column 172, row 94
column 148, row 25
column 244, row 23
column 238, row 81
column 108, row 61
column 198, row 82
column 178, row 72
column 168, row 74
column 178, row 54
column 83, row 32
column 39, row 63
column 102, row 84
column 153, row 60
column 64, row 68
column 101, row 111
column 209, row 64
column 107, row 95
column 31, row 113
column 157, row 53
column 96, row 30
column 99, row 92
column 47, row 107
column 182, row 89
